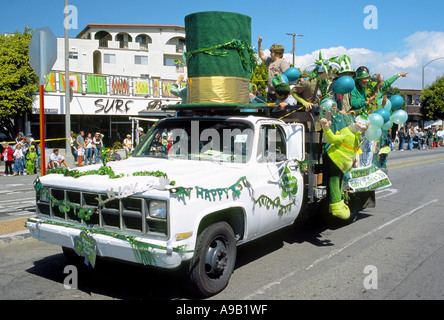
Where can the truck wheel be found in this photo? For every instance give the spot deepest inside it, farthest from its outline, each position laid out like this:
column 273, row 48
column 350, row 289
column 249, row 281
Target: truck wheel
column 214, row 260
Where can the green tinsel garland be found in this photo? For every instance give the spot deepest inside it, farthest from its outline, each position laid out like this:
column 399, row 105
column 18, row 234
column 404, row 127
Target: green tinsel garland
column 64, row 205
column 245, row 51
column 264, row 200
column 144, row 252
column 104, row 170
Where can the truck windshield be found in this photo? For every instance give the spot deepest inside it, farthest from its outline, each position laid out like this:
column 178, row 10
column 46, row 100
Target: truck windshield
column 210, row 139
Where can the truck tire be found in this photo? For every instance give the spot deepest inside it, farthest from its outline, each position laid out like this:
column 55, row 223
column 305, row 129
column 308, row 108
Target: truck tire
column 214, row 260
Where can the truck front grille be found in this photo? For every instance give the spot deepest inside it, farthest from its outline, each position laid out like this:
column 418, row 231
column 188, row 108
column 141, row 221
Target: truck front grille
column 126, row 214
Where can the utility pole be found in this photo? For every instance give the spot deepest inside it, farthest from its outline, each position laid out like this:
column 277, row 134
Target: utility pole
column 68, row 92
column 294, row 43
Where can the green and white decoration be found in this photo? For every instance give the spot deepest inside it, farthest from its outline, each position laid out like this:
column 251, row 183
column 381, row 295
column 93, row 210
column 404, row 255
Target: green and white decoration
column 85, row 246
column 367, row 179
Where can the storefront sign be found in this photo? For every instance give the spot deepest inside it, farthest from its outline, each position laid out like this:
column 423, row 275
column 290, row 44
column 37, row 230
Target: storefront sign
column 112, row 106
column 103, row 105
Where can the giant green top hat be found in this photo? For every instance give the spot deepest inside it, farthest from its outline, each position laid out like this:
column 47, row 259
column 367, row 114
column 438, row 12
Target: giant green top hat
column 219, row 56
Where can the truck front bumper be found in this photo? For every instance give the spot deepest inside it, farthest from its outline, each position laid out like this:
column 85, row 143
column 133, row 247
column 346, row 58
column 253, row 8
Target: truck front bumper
column 160, row 253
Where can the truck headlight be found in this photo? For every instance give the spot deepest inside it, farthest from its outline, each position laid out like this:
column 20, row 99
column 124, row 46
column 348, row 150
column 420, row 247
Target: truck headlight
column 158, row 209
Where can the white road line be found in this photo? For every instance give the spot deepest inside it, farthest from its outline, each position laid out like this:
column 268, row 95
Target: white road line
column 391, row 192
column 337, row 251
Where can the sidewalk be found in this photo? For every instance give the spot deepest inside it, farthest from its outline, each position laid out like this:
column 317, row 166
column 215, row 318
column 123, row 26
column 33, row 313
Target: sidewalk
column 13, row 229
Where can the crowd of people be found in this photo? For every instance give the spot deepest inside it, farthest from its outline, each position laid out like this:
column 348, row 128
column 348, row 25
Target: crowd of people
column 22, row 157
column 86, row 148
column 416, row 138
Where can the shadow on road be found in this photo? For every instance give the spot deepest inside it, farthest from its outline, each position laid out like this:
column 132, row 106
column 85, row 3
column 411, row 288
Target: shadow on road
column 119, row 280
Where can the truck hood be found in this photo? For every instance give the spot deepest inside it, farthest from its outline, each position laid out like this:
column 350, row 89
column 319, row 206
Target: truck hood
column 184, row 173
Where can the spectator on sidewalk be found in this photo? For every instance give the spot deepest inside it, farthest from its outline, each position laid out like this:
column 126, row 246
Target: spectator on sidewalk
column 73, row 143
column 56, row 160
column 411, row 135
column 128, row 145
column 88, row 149
column 115, row 156
column 8, row 158
column 19, row 166
column 97, row 145
column 440, row 134
column 80, row 146
column 401, row 136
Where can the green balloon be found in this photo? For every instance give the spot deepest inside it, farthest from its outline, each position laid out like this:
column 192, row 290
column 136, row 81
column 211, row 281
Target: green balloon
column 399, row 117
column 387, row 125
column 373, row 133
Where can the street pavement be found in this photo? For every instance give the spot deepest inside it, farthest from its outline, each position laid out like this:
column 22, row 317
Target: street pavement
column 17, row 204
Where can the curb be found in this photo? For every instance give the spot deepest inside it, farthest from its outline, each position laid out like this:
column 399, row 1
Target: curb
column 13, row 229
column 19, row 235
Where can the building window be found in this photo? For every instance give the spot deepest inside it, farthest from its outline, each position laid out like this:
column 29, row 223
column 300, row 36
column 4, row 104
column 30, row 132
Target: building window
column 109, row 58
column 73, row 55
column 172, row 61
column 140, row 59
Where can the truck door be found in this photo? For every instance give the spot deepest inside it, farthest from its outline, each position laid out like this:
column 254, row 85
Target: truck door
column 275, row 178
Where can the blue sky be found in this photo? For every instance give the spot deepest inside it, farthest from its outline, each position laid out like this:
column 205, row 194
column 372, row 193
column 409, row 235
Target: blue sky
column 405, row 35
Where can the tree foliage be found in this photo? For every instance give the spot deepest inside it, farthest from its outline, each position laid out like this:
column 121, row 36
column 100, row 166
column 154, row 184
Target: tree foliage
column 17, row 79
column 432, row 106
column 260, row 78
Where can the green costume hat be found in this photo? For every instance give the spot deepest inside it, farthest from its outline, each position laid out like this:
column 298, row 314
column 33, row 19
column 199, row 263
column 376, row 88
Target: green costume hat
column 322, row 65
column 361, row 74
column 345, row 64
column 219, row 57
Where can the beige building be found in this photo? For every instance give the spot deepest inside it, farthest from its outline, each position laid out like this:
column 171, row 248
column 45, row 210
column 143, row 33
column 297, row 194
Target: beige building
column 116, row 72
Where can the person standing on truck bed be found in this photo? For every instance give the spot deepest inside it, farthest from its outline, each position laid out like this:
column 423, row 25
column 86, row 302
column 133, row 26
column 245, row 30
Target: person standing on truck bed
column 275, row 64
column 312, row 91
column 341, row 156
column 284, row 98
column 363, row 96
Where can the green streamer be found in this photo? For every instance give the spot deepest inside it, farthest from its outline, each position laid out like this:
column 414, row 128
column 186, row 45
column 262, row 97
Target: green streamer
column 244, row 50
column 143, row 252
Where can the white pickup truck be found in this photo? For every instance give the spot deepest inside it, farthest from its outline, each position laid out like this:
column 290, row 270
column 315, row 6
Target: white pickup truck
column 192, row 191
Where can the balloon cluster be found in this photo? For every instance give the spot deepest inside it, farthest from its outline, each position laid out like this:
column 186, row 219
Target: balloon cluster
column 342, row 85
column 290, row 75
column 384, row 117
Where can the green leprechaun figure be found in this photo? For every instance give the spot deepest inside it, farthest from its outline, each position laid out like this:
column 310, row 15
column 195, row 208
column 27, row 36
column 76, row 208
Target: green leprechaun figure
column 342, row 154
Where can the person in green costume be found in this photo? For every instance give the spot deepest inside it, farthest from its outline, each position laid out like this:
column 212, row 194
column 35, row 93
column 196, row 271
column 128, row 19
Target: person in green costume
column 365, row 92
column 31, row 157
column 341, row 157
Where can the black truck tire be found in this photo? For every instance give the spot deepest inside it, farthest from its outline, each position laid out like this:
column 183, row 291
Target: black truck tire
column 213, row 261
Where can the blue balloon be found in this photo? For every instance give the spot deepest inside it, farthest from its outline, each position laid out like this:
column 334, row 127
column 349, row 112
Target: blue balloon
column 397, row 101
column 344, row 84
column 292, row 74
column 384, row 113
